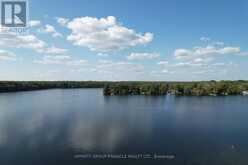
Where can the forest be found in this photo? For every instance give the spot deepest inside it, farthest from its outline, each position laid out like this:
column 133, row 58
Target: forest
column 204, row 88
column 13, row 86
column 200, row 88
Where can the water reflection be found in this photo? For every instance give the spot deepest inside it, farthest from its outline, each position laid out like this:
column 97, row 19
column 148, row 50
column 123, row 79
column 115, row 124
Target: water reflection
column 104, row 133
column 97, row 127
column 53, row 125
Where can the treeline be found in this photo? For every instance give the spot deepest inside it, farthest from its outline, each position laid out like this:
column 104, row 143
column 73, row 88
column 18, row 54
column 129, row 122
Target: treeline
column 12, row 86
column 202, row 88
column 206, row 88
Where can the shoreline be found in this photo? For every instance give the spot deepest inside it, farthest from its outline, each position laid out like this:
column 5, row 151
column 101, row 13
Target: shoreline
column 200, row 88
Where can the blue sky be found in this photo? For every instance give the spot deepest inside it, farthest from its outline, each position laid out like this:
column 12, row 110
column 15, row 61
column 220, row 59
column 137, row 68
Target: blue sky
column 112, row 40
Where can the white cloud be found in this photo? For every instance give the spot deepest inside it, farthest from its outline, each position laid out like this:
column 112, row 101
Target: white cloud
column 7, row 56
column 54, row 50
column 54, row 59
column 104, row 34
column 198, row 60
column 34, row 23
column 204, row 52
column 182, row 53
column 229, row 50
column 205, row 39
column 222, row 64
column 219, row 64
column 165, row 71
column 201, row 64
column 160, row 73
column 79, row 62
column 50, row 29
column 60, row 59
column 218, row 43
column 202, row 60
column 116, row 70
column 57, row 34
column 103, row 54
column 119, row 66
column 143, row 56
column 163, row 62
column 62, row 21
column 188, row 64
column 29, row 42
column 26, row 41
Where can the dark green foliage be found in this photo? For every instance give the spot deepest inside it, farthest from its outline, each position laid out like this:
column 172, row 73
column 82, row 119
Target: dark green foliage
column 204, row 88
column 12, row 86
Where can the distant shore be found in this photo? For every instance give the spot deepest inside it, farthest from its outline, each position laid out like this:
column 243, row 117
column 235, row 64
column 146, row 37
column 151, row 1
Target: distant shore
column 203, row 88
column 15, row 86
column 199, row 88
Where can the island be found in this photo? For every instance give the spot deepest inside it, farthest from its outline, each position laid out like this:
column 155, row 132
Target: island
column 203, row 88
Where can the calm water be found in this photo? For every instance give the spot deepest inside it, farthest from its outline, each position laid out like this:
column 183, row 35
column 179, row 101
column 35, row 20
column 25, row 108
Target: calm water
column 60, row 126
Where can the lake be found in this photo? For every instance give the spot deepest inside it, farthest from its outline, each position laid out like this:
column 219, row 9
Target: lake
column 81, row 126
